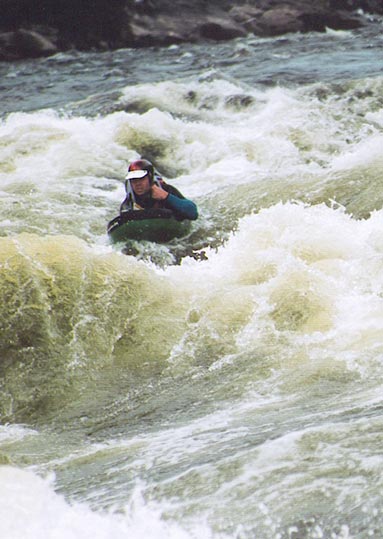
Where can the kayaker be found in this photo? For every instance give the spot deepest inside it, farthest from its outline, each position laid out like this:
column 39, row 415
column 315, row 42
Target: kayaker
column 145, row 190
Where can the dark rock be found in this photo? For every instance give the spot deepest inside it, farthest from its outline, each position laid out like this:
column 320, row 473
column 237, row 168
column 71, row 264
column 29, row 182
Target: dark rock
column 369, row 6
column 373, row 6
column 220, row 29
column 239, row 101
column 341, row 20
column 349, row 5
column 337, row 20
column 246, row 15
column 103, row 24
column 5, row 54
column 25, row 44
column 147, row 31
column 279, row 21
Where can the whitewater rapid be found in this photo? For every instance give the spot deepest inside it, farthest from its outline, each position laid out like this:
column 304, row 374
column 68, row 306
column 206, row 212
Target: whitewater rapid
column 227, row 384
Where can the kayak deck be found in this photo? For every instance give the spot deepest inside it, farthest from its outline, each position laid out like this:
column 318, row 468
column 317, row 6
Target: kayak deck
column 157, row 225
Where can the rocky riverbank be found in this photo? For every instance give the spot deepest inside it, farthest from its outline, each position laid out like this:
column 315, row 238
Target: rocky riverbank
column 34, row 28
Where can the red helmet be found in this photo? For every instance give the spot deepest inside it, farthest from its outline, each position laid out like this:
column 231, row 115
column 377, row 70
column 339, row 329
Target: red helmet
column 139, row 169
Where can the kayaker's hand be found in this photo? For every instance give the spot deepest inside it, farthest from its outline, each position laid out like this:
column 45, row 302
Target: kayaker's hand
column 158, row 193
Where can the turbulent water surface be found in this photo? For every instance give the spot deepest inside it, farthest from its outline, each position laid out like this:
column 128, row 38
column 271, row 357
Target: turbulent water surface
column 226, row 384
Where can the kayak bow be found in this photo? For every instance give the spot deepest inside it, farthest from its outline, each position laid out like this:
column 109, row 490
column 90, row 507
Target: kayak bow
column 158, row 225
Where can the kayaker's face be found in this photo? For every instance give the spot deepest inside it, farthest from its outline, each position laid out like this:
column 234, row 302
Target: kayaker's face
column 141, row 186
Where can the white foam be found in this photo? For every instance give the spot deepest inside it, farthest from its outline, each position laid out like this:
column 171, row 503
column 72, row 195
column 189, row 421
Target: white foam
column 30, row 509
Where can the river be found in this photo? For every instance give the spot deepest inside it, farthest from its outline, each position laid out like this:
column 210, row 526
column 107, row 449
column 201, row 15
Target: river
column 224, row 385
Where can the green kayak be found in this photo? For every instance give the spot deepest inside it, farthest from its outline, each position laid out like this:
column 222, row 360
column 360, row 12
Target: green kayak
column 158, row 225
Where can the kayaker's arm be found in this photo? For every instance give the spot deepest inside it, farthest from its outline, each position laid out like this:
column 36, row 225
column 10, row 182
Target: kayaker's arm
column 182, row 206
column 174, row 200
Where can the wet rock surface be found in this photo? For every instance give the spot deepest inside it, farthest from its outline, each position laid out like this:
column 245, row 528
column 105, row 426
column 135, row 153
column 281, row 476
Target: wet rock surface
column 34, row 28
